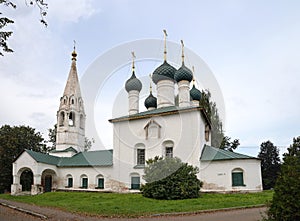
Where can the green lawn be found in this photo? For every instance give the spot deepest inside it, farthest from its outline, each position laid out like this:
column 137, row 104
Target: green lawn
column 133, row 205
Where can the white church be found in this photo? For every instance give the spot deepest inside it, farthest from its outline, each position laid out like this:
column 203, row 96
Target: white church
column 167, row 129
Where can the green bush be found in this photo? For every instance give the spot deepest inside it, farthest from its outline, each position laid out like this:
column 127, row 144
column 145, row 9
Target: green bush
column 285, row 204
column 170, row 179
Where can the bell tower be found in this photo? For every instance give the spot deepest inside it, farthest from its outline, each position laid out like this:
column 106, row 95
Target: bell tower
column 71, row 115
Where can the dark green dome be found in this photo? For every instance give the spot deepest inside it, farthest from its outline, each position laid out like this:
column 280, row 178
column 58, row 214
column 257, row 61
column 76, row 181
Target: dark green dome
column 133, row 84
column 195, row 94
column 163, row 72
column 183, row 73
column 150, row 101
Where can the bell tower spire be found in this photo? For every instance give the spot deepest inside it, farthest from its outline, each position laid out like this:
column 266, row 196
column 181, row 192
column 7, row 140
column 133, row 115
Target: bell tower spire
column 71, row 115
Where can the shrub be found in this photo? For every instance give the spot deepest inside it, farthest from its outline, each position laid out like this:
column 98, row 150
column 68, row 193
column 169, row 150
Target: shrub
column 170, row 178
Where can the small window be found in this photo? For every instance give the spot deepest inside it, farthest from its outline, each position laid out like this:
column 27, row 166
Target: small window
column 135, row 183
column 70, row 182
column 72, row 101
column 169, row 152
column 85, row 182
column 100, row 183
column 61, row 118
column 81, row 121
column 207, row 133
column 140, row 156
column 237, row 177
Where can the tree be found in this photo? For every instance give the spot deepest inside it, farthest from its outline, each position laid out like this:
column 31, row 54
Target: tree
column 211, row 109
column 52, row 137
column 285, row 203
column 170, row 178
column 4, row 21
column 270, row 164
column 13, row 141
column 226, row 144
column 88, row 144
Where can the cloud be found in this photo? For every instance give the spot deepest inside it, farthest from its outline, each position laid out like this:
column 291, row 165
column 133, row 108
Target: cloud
column 71, row 11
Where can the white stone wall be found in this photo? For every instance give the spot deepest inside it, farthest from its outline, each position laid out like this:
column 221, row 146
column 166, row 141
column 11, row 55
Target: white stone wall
column 217, row 175
column 185, row 130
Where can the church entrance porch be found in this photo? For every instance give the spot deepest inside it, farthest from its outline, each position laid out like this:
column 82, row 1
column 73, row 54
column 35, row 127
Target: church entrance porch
column 26, row 180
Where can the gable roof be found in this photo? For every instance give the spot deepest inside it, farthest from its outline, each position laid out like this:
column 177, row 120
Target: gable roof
column 161, row 112
column 212, row 154
column 82, row 159
column 90, row 158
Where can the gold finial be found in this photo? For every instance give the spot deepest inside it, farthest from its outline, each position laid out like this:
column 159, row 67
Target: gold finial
column 182, row 51
column 133, row 57
column 165, row 44
column 74, row 54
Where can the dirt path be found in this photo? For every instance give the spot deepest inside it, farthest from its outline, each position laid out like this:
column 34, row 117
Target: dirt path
column 8, row 214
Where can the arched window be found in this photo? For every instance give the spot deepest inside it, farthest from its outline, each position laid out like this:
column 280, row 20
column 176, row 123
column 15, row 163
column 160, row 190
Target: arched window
column 168, row 146
column 140, row 154
column 81, row 121
column 69, row 181
column 84, row 181
column 135, row 181
column 72, row 119
column 207, row 132
column 100, row 182
column 61, row 119
column 237, row 175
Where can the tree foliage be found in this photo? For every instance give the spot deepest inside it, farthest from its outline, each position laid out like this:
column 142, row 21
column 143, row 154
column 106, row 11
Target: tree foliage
column 270, row 164
column 218, row 139
column 211, row 109
column 13, row 141
column 4, row 21
column 227, row 144
column 285, row 204
column 170, row 178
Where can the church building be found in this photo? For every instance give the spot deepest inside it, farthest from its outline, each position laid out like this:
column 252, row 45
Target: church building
column 174, row 125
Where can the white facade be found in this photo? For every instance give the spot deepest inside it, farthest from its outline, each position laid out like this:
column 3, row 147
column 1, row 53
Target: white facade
column 181, row 131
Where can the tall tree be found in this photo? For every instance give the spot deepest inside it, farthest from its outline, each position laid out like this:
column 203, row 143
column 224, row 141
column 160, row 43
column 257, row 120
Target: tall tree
column 270, row 164
column 216, row 123
column 285, row 204
column 4, row 21
column 13, row 141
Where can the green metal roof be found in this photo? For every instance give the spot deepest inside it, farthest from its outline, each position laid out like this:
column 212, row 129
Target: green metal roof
column 82, row 159
column 161, row 112
column 90, row 158
column 43, row 158
column 212, row 154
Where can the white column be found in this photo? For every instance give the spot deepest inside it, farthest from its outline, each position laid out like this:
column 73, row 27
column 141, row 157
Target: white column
column 165, row 93
column 133, row 99
column 184, row 93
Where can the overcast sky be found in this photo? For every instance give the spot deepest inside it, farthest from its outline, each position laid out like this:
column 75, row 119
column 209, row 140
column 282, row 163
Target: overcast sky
column 252, row 47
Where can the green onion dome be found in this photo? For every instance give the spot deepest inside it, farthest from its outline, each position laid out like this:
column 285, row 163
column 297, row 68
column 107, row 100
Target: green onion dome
column 163, row 72
column 133, row 84
column 150, row 101
column 195, row 94
column 183, row 73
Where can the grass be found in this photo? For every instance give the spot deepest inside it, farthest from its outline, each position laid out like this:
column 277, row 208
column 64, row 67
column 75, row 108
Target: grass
column 134, row 205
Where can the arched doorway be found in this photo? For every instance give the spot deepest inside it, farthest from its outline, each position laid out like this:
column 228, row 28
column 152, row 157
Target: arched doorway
column 26, row 179
column 48, row 180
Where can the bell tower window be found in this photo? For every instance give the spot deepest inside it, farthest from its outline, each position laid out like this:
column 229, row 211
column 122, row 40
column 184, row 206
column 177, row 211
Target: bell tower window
column 72, row 119
column 61, row 118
